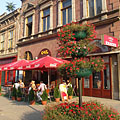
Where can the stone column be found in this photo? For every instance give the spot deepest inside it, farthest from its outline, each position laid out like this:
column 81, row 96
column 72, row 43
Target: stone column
column 84, row 9
column 51, row 17
column 73, row 11
column 118, row 57
column 59, row 14
column 33, row 24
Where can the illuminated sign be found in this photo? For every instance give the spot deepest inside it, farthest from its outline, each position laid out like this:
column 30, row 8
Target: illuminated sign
column 44, row 52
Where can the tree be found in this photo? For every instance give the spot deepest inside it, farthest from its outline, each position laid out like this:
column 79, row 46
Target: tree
column 10, row 6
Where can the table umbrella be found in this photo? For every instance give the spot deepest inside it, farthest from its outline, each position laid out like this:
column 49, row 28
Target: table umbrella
column 14, row 65
column 46, row 62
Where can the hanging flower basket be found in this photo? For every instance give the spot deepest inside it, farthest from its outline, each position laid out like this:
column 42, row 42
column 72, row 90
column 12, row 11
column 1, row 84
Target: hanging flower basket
column 84, row 72
column 78, row 53
column 80, row 35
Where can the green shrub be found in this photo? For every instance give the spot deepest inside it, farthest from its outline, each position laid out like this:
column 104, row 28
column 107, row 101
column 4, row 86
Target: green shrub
column 72, row 111
column 14, row 92
column 19, row 92
column 31, row 95
column 70, row 91
column 44, row 96
column 56, row 92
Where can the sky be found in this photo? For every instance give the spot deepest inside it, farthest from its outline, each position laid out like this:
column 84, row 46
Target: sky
column 3, row 5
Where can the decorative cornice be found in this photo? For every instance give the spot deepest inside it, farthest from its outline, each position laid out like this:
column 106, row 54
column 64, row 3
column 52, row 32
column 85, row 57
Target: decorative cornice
column 10, row 15
column 8, row 55
column 38, row 39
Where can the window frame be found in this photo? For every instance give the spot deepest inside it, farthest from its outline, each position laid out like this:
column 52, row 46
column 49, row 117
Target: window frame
column 95, row 8
column 46, row 20
column 10, row 41
column 2, row 41
column 66, row 8
column 28, row 25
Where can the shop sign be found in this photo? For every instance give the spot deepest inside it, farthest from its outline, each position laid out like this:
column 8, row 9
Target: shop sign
column 44, row 52
column 109, row 41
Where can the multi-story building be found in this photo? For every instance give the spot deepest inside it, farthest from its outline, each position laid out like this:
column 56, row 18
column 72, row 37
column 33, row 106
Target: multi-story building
column 41, row 19
column 9, row 34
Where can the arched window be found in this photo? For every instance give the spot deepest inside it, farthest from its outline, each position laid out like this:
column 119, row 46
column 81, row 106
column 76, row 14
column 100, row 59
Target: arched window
column 28, row 55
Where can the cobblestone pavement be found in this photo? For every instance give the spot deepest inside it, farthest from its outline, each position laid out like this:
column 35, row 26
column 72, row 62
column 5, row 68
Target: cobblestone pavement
column 13, row 110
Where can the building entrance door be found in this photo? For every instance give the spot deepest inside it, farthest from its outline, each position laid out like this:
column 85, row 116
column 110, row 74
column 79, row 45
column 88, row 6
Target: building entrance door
column 99, row 83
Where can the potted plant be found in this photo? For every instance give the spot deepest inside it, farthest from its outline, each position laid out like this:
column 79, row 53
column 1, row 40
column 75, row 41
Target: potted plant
column 57, row 94
column 44, row 97
column 14, row 93
column 70, row 92
column 32, row 97
column 19, row 94
column 0, row 90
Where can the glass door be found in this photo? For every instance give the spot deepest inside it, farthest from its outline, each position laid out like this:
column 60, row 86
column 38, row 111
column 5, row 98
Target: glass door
column 97, row 80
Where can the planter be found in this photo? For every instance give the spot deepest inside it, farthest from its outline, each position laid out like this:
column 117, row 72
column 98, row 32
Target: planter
column 84, row 72
column 44, row 102
column 57, row 99
column 70, row 97
column 13, row 98
column 19, row 98
column 80, row 35
column 32, row 102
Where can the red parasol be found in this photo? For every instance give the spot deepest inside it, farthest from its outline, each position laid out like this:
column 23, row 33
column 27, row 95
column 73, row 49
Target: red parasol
column 45, row 62
column 14, row 65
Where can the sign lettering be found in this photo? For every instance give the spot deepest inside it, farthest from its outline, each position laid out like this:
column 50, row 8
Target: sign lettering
column 109, row 41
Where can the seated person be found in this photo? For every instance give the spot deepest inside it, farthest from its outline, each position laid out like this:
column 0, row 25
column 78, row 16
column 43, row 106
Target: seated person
column 41, row 88
column 17, row 85
column 32, row 85
column 21, row 84
column 63, row 91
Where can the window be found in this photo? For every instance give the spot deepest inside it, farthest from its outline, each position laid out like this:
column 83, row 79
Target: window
column 10, row 44
column 29, row 25
column 28, row 55
column 66, row 11
column 97, row 80
column 2, row 41
column 86, row 82
column 46, row 19
column 95, row 7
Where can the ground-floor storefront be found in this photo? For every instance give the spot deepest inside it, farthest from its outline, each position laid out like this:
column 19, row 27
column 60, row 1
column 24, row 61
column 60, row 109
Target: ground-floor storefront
column 7, row 77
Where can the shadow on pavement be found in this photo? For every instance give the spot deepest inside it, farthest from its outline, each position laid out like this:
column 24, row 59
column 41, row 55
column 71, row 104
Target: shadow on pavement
column 36, row 115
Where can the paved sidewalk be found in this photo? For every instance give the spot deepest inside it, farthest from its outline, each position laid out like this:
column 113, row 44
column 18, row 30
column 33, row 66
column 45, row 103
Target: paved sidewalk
column 115, row 104
column 13, row 110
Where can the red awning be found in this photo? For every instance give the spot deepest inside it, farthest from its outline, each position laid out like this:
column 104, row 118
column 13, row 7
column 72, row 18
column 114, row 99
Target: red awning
column 14, row 65
column 45, row 62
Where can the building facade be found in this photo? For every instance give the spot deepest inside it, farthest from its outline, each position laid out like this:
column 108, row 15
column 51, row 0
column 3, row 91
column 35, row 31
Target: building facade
column 41, row 19
column 9, row 34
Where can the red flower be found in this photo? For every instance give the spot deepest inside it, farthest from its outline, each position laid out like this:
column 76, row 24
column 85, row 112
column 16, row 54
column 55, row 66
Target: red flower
column 71, row 110
column 96, row 65
column 77, row 105
column 67, row 107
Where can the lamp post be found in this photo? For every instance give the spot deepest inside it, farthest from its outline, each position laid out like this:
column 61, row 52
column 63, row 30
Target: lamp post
column 80, row 91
